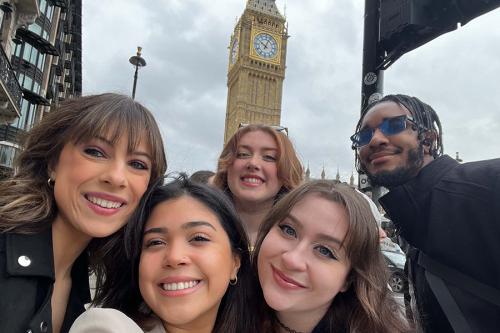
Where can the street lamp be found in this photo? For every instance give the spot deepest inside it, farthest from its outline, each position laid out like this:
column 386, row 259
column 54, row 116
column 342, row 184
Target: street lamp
column 137, row 61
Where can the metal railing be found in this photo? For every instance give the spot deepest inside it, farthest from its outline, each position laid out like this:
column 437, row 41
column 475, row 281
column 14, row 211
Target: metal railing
column 8, row 77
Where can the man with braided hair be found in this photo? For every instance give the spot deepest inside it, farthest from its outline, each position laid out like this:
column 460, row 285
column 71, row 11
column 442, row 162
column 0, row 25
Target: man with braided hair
column 449, row 213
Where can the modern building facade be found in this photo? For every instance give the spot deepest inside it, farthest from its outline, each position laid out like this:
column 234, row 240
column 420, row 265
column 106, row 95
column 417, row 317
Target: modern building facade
column 257, row 57
column 43, row 53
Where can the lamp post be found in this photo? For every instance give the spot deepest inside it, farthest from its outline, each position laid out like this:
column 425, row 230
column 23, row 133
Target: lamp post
column 137, row 61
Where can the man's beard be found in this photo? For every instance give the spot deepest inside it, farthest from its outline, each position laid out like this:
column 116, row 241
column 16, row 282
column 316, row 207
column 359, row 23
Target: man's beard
column 401, row 174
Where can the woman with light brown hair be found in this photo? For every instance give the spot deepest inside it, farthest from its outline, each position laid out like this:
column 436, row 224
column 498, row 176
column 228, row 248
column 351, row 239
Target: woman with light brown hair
column 81, row 174
column 256, row 167
column 319, row 265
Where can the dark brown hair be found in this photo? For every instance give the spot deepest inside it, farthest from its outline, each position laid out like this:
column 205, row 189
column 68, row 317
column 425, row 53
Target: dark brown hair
column 27, row 201
column 290, row 170
column 367, row 305
column 120, row 289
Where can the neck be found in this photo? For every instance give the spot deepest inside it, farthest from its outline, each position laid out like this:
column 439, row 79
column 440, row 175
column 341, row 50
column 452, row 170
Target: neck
column 427, row 159
column 252, row 215
column 298, row 322
column 67, row 244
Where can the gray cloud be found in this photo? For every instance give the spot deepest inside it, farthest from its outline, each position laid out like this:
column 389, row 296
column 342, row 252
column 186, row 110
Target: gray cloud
column 185, row 44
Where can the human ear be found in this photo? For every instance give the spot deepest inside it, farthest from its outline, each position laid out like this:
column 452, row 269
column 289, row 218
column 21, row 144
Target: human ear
column 236, row 266
column 429, row 142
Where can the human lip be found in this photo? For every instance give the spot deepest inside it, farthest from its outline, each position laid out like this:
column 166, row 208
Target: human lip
column 251, row 180
column 381, row 156
column 178, row 286
column 104, row 203
column 284, row 281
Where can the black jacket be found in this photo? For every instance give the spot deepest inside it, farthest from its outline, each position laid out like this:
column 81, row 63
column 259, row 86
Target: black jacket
column 26, row 284
column 450, row 213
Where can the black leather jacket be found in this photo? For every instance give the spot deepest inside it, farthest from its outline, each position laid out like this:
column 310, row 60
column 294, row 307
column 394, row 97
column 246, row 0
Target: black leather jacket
column 26, row 284
column 450, row 214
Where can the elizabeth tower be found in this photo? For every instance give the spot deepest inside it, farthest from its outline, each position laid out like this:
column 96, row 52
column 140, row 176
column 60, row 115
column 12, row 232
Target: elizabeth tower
column 257, row 54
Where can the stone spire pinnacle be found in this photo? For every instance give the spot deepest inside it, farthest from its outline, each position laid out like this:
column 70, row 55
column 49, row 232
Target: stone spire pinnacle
column 265, row 6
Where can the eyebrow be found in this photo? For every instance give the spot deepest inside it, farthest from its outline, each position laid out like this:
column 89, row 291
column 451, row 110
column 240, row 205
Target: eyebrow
column 262, row 148
column 136, row 152
column 320, row 236
column 187, row 225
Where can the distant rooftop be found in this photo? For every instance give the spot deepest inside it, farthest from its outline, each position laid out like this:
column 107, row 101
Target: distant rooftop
column 265, row 6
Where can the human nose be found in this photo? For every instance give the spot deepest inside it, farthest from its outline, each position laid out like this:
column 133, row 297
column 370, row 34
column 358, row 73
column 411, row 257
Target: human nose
column 253, row 163
column 295, row 259
column 175, row 255
column 115, row 173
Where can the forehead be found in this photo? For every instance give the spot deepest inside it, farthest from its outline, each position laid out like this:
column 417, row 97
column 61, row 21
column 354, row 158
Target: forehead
column 173, row 213
column 383, row 110
column 134, row 140
column 258, row 139
column 319, row 215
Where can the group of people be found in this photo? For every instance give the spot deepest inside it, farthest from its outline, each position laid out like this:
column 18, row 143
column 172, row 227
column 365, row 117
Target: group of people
column 256, row 250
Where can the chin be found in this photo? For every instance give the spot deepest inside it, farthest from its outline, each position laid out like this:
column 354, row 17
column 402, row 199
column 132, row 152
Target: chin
column 276, row 302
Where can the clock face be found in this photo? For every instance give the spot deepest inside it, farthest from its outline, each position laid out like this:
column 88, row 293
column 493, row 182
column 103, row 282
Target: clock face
column 265, row 45
column 234, row 50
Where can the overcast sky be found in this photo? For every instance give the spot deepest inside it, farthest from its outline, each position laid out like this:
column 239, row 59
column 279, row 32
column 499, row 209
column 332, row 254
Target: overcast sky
column 185, row 44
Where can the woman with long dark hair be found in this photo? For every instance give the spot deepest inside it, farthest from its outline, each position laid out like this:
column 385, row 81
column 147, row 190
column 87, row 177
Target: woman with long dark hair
column 81, row 174
column 186, row 267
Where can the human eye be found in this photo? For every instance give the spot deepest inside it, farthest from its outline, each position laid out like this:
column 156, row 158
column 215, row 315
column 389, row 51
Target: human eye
column 243, row 154
column 325, row 252
column 140, row 165
column 199, row 238
column 269, row 158
column 93, row 151
column 287, row 230
column 154, row 242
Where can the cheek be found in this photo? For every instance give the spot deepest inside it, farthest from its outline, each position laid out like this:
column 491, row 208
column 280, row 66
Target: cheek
column 147, row 266
column 270, row 246
column 363, row 154
column 340, row 272
column 140, row 185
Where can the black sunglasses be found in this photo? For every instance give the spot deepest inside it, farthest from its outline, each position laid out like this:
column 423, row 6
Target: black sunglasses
column 388, row 127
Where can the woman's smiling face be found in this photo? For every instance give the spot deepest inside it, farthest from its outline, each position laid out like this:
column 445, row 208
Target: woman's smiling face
column 253, row 175
column 98, row 184
column 186, row 263
column 301, row 263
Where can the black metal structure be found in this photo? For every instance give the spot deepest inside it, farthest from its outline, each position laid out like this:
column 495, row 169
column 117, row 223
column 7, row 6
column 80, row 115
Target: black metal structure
column 138, row 62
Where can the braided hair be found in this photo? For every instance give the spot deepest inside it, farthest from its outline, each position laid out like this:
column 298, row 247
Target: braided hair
column 424, row 116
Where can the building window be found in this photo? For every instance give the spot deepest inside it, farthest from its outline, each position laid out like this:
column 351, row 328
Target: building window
column 46, row 9
column 7, row 155
column 28, row 110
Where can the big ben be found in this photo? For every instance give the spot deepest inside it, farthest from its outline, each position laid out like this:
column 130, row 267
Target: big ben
column 256, row 70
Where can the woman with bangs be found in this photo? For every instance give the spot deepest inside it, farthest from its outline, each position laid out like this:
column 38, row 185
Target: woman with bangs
column 82, row 173
column 256, row 167
column 319, row 265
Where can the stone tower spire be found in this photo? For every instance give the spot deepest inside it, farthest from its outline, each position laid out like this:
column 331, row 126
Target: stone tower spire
column 323, row 174
column 308, row 173
column 337, row 177
column 266, row 7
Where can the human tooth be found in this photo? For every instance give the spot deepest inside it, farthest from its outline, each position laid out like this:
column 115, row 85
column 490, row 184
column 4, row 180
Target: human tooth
column 104, row 203
column 179, row 285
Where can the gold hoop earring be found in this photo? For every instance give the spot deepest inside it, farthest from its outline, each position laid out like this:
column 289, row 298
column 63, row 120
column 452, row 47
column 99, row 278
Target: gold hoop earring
column 51, row 182
column 234, row 281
